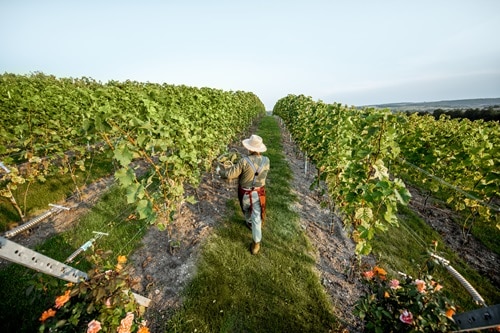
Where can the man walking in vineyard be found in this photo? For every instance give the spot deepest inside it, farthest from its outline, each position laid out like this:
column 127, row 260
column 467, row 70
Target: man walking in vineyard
column 251, row 172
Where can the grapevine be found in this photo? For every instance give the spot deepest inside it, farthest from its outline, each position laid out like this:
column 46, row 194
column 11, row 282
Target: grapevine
column 351, row 148
column 177, row 131
column 354, row 149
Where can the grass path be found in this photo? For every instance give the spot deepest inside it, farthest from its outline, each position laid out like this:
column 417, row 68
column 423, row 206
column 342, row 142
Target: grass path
column 273, row 291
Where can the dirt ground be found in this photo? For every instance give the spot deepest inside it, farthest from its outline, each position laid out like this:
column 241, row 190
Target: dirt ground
column 163, row 265
column 478, row 256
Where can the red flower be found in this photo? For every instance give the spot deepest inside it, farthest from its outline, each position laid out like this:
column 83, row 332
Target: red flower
column 406, row 317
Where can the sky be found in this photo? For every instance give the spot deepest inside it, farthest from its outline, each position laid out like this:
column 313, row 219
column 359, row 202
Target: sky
column 358, row 52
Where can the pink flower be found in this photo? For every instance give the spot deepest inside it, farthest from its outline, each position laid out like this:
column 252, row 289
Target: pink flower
column 126, row 323
column 94, row 327
column 406, row 317
column 108, row 302
column 420, row 285
column 394, row 284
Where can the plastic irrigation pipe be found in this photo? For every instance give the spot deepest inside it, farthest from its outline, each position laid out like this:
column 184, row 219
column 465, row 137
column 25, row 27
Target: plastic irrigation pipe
column 475, row 295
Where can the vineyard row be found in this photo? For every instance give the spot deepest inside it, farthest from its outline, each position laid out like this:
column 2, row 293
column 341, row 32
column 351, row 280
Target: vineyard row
column 363, row 155
column 47, row 124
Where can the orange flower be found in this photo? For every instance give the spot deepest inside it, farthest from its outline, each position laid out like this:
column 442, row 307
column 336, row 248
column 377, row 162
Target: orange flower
column 61, row 300
column 369, row 274
column 122, row 259
column 420, row 285
column 47, row 314
column 438, row 287
column 126, row 323
column 143, row 329
column 449, row 313
column 379, row 271
column 386, row 294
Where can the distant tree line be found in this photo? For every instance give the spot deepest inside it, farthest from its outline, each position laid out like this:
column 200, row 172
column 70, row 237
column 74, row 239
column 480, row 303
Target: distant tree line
column 491, row 113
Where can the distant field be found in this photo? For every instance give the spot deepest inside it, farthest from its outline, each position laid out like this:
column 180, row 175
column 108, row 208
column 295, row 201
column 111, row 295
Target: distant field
column 477, row 103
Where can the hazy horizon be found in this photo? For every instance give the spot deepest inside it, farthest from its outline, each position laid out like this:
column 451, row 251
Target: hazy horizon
column 354, row 53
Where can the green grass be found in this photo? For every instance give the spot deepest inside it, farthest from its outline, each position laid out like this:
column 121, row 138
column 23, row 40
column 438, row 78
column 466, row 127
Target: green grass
column 273, row 291
column 485, row 231
column 405, row 249
column 20, row 309
column 53, row 190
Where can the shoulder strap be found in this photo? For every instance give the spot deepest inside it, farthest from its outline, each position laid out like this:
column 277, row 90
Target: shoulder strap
column 251, row 164
column 261, row 165
column 256, row 171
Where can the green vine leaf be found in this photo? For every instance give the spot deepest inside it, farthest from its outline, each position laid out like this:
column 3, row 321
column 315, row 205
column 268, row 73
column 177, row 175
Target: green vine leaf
column 145, row 209
column 364, row 214
column 125, row 176
column 123, row 155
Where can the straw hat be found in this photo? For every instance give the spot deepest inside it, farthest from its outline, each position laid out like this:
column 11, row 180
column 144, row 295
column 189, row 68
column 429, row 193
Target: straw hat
column 254, row 143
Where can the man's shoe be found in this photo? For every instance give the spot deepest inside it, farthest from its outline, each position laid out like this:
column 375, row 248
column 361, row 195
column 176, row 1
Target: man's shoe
column 255, row 248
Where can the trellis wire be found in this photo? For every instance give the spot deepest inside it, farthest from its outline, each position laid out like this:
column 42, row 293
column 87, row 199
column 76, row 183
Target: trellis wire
column 415, row 236
column 456, row 188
